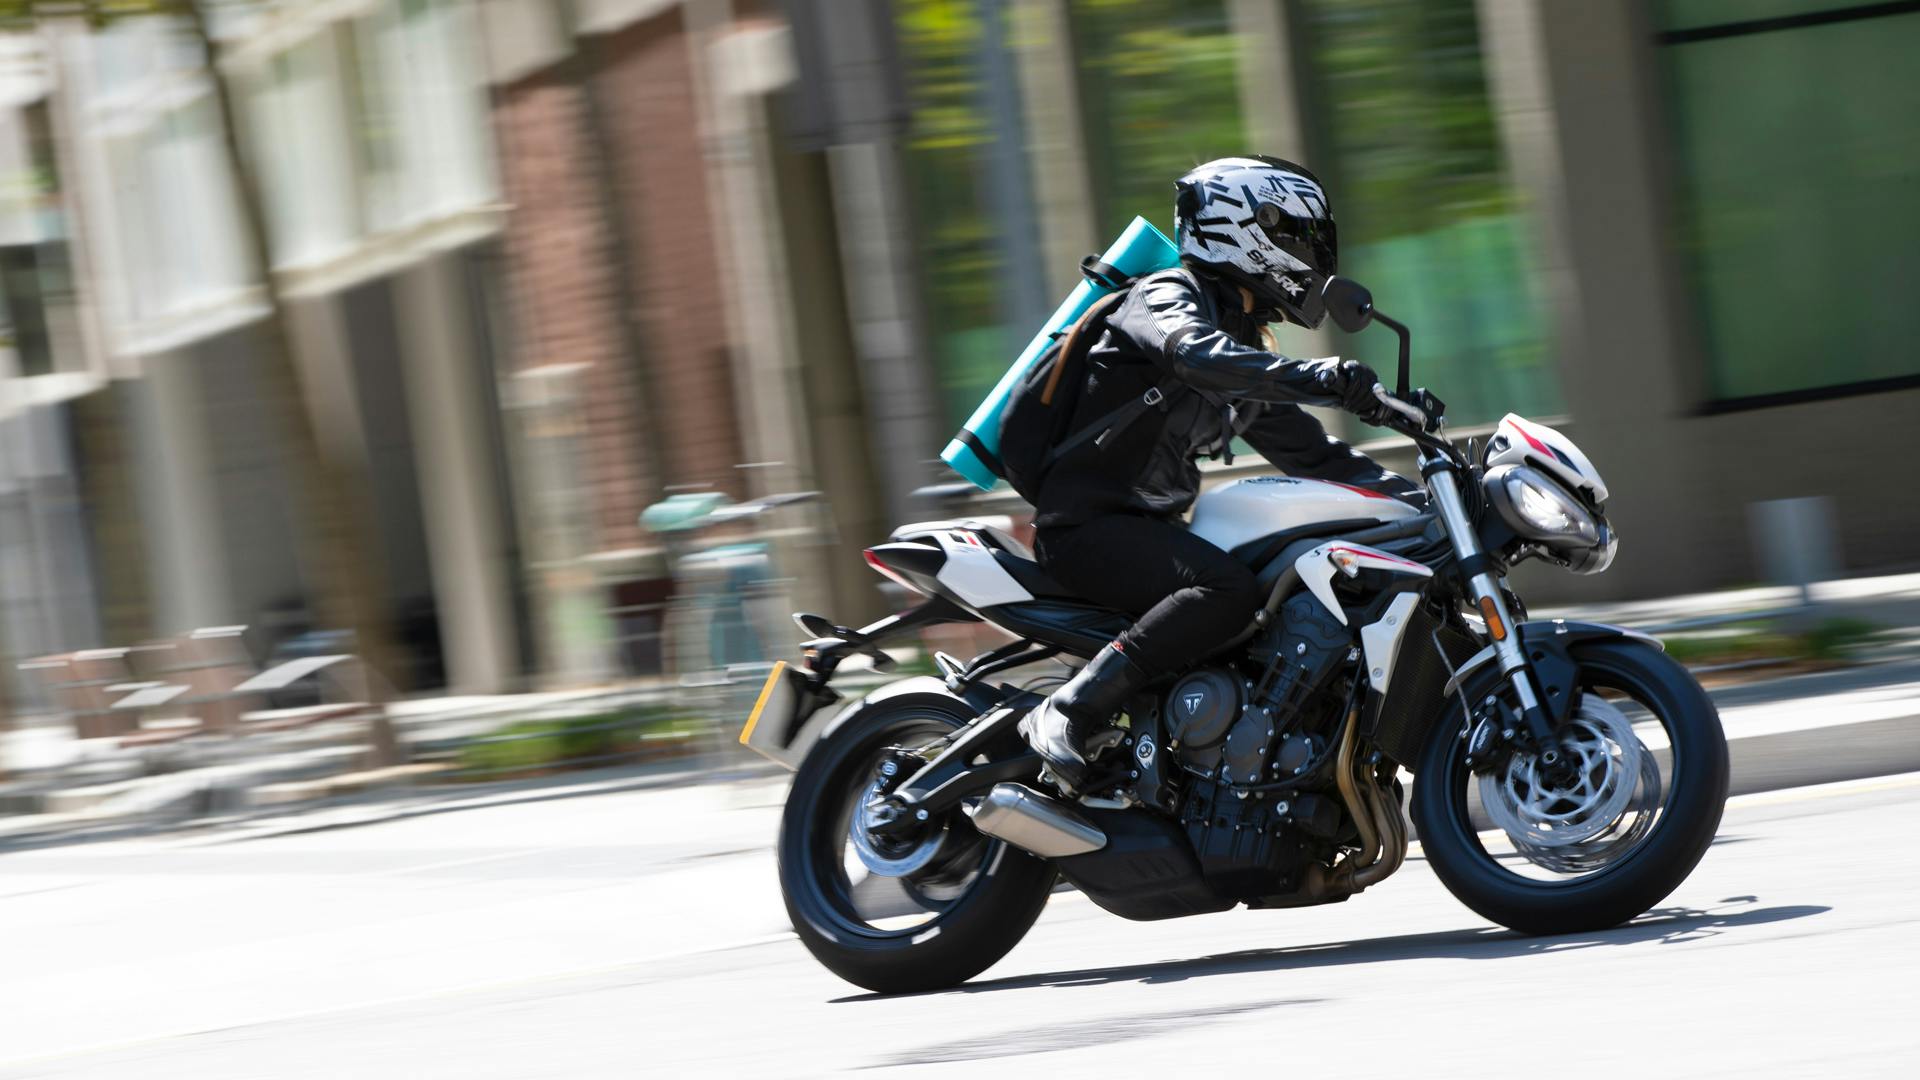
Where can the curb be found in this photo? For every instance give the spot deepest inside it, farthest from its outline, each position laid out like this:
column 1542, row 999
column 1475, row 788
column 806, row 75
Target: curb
column 343, row 814
column 343, row 784
column 283, row 797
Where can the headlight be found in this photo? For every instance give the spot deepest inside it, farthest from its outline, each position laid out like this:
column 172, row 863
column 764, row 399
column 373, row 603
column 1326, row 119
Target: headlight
column 1538, row 508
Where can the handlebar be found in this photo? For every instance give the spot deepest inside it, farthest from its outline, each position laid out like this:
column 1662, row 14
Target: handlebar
column 1413, row 422
column 1410, row 412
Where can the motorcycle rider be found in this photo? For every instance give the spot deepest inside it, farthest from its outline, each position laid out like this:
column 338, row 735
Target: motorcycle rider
column 1257, row 241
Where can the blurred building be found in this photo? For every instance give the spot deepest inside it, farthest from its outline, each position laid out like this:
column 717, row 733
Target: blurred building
column 549, row 261
column 1669, row 227
column 49, row 584
column 1559, row 197
column 366, row 126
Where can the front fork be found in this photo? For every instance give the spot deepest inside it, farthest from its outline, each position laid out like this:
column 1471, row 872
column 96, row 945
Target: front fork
column 1443, row 481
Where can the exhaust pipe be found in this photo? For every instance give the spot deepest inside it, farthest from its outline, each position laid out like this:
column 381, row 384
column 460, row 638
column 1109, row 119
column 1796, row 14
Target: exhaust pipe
column 1032, row 822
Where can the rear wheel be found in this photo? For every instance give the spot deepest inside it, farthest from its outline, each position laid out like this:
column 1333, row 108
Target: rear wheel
column 919, row 912
column 1604, row 833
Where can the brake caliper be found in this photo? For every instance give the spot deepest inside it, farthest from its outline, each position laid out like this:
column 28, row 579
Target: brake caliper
column 1490, row 738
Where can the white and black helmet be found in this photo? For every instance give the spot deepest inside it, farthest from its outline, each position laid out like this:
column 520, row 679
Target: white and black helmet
column 1263, row 223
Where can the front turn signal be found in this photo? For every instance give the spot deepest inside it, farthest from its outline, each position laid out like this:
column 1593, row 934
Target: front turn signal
column 1491, row 612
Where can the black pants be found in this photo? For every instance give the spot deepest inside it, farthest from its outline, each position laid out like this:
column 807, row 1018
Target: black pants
column 1189, row 597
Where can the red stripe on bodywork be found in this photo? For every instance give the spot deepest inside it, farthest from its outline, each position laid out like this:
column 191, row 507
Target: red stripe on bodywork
column 1356, row 490
column 1536, row 443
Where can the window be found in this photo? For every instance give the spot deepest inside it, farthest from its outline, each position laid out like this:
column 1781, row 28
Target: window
column 36, row 282
column 192, row 204
column 1428, row 218
column 1797, row 194
column 180, row 245
column 421, row 124
column 296, row 107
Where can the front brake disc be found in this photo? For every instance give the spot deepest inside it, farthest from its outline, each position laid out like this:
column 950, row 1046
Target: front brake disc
column 1570, row 818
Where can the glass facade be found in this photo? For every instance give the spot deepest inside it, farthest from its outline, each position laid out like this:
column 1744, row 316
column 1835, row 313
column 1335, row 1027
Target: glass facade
column 1429, row 219
column 1158, row 89
column 1406, row 140
column 1797, row 196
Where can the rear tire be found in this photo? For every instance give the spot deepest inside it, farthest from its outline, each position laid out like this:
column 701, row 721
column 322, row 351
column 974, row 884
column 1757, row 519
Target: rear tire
column 969, row 935
column 1645, row 875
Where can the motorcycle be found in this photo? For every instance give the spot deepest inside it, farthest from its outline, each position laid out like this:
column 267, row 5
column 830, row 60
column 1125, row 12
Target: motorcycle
column 1567, row 775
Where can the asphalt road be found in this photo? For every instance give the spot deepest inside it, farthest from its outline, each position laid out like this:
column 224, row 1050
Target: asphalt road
column 640, row 933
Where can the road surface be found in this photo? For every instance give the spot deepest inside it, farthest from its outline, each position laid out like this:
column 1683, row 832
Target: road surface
column 640, row 933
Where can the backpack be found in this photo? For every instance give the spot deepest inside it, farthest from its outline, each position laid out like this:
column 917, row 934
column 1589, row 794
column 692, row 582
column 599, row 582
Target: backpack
column 1036, row 428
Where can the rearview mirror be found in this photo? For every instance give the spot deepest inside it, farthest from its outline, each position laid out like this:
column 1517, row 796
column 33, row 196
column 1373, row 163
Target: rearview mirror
column 1349, row 302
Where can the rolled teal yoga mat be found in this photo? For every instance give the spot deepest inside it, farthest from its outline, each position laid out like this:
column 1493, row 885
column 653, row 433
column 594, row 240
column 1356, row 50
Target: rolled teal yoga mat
column 974, row 453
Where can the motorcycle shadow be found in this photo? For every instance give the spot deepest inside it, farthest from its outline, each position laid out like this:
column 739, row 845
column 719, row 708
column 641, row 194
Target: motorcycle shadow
column 1661, row 926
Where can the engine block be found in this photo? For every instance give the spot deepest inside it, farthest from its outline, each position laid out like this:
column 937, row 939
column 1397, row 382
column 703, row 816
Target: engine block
column 1251, row 847
column 1301, row 659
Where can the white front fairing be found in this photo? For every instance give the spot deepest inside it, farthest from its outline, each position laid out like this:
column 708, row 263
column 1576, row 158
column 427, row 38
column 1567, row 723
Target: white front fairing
column 1520, row 441
column 1245, row 510
column 1317, row 567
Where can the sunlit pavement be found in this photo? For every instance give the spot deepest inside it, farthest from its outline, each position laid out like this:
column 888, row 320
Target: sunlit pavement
column 640, row 933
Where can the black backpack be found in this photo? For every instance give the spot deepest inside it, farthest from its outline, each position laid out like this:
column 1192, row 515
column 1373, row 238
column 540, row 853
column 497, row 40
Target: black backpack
column 1036, row 427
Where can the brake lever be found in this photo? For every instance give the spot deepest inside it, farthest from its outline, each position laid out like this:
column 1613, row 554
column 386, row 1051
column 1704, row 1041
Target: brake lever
column 1411, row 413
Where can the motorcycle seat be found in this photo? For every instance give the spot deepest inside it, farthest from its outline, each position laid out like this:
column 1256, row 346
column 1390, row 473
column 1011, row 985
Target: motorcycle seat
column 1031, row 577
column 995, row 537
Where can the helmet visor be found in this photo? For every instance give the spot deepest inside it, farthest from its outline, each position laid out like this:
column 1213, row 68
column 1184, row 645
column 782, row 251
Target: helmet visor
column 1313, row 241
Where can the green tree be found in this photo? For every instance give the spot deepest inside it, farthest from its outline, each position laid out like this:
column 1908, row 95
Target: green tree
column 1161, row 91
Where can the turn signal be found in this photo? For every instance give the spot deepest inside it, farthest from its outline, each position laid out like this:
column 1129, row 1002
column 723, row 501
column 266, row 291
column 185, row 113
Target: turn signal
column 1491, row 612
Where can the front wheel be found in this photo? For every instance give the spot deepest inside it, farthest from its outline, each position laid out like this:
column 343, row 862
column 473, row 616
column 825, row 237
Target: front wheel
column 919, row 912
column 1608, row 831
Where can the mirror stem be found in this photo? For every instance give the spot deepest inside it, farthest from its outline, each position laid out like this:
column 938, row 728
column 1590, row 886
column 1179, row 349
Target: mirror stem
column 1406, row 351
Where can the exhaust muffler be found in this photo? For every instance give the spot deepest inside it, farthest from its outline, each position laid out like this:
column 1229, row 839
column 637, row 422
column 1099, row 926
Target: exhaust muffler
column 1032, row 822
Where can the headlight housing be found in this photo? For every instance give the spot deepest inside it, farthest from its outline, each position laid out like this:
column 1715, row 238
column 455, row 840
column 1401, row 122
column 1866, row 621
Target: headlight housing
column 1538, row 508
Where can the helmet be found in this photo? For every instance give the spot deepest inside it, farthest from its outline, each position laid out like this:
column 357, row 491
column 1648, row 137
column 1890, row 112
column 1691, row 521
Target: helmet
column 1262, row 223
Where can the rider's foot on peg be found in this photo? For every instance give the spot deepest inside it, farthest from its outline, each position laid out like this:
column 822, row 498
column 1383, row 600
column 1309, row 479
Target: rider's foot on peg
column 1075, row 725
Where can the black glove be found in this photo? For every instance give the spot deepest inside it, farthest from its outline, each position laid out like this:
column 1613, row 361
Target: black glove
column 1352, row 383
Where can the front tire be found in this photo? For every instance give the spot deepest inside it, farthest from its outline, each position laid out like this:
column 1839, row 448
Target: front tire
column 1656, row 863
column 994, row 891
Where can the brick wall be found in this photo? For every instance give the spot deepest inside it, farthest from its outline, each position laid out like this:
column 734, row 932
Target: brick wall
column 566, row 291
column 565, row 280
column 646, row 90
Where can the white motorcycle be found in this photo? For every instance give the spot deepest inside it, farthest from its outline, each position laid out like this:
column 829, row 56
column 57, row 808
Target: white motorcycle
column 1568, row 775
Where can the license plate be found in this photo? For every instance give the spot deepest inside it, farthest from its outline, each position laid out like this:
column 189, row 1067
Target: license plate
column 776, row 702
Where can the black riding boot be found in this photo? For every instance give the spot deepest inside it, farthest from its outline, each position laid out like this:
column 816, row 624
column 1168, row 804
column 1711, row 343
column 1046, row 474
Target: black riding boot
column 1074, row 724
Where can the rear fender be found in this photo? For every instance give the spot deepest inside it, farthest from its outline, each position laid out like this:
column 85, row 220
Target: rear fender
column 786, row 724
column 803, row 732
column 794, row 697
column 974, row 696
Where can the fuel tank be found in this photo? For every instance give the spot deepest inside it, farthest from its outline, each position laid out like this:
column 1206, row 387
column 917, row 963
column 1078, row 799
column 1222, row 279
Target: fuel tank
column 1248, row 509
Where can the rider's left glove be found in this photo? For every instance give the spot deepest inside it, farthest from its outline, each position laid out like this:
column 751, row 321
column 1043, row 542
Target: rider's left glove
column 1351, row 383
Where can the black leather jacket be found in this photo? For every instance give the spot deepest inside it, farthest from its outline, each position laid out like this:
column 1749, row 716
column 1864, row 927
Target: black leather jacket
column 1191, row 326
